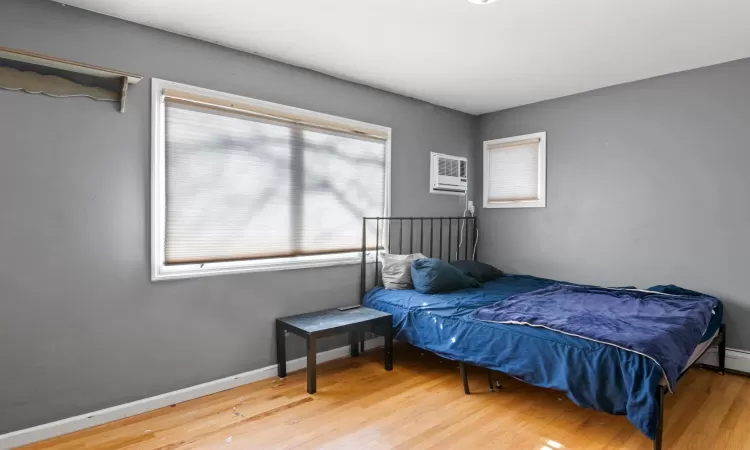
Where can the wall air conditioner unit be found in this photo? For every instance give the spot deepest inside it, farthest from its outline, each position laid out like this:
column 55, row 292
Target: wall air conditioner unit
column 448, row 174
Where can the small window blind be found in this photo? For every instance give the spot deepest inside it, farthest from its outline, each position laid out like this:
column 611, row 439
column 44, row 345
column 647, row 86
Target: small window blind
column 243, row 185
column 513, row 172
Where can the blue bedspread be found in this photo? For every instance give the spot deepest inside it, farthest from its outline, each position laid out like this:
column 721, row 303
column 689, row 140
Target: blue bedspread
column 663, row 327
column 591, row 374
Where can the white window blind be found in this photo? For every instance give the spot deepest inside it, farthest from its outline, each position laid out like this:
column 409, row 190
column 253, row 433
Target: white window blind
column 514, row 172
column 242, row 186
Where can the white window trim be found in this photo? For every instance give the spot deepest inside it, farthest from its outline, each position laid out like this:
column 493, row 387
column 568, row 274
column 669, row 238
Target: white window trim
column 541, row 202
column 160, row 271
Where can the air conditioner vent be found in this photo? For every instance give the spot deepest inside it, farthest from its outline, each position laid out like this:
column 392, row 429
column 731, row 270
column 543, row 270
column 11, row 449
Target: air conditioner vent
column 448, row 167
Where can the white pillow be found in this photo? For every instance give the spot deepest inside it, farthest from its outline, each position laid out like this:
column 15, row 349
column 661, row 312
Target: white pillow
column 397, row 270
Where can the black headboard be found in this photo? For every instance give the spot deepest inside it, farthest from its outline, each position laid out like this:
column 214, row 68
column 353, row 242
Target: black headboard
column 447, row 238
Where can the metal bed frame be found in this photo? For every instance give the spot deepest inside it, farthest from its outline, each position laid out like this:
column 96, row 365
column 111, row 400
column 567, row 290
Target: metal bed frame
column 436, row 236
column 389, row 235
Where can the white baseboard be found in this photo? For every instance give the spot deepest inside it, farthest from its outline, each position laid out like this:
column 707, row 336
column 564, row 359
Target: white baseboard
column 65, row 426
column 735, row 359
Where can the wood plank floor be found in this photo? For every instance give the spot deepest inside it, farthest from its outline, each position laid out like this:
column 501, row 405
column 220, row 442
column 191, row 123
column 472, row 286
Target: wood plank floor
column 419, row 405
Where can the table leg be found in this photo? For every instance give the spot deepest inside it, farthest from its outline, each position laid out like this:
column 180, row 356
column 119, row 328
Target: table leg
column 280, row 350
column 311, row 354
column 354, row 343
column 388, row 336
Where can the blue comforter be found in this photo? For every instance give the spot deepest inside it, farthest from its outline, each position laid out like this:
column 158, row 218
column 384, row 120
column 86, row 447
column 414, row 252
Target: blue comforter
column 663, row 327
column 591, row 374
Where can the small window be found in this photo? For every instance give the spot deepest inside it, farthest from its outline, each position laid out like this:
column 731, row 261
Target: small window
column 244, row 185
column 515, row 172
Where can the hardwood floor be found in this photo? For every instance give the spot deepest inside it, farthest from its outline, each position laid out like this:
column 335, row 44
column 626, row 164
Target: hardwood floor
column 420, row 405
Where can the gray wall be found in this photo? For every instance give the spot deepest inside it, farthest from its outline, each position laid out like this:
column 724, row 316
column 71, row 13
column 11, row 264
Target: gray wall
column 82, row 327
column 647, row 184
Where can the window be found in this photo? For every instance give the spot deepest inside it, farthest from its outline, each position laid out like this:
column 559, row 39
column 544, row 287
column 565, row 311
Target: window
column 244, row 185
column 515, row 172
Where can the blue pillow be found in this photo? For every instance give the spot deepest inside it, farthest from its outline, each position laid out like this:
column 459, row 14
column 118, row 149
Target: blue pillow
column 479, row 271
column 431, row 276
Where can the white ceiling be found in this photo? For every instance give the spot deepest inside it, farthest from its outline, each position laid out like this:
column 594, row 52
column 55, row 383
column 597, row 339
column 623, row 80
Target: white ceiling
column 473, row 58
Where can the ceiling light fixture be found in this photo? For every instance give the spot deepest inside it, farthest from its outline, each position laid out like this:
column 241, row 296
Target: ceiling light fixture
column 482, row 2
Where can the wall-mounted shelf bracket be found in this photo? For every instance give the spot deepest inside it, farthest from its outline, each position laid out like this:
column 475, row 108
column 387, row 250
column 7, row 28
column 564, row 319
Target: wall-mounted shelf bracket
column 51, row 79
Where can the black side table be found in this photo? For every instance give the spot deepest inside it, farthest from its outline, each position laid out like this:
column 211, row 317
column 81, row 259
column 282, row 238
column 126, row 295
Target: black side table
column 329, row 322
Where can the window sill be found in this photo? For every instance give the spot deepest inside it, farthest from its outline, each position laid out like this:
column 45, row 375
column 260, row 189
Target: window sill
column 163, row 273
column 521, row 204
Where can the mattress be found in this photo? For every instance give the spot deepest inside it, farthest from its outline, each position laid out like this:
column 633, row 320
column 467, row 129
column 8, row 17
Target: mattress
column 699, row 350
column 591, row 374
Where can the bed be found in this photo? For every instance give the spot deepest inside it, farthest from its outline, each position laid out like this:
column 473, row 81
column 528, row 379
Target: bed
column 592, row 374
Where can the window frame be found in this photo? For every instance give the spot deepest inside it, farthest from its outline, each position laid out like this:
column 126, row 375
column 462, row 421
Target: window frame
column 161, row 271
column 541, row 202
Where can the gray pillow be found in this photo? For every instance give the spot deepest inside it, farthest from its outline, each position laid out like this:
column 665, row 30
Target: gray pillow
column 397, row 270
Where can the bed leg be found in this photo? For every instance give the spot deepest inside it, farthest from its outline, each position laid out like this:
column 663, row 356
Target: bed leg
column 722, row 347
column 490, row 381
column 464, row 377
column 660, row 424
